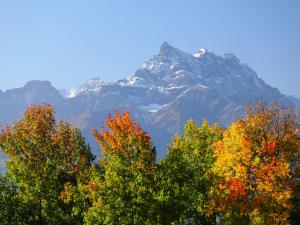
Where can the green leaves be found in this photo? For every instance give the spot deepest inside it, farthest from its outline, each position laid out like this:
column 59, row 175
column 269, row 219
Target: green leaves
column 247, row 173
column 12, row 210
column 183, row 176
column 42, row 157
column 123, row 192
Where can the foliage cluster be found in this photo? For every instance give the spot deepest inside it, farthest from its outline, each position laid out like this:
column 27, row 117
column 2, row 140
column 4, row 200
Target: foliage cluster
column 245, row 174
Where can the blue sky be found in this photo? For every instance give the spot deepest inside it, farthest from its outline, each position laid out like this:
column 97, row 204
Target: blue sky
column 69, row 42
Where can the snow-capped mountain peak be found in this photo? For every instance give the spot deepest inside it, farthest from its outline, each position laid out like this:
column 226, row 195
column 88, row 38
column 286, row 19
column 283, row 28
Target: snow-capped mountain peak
column 172, row 69
column 93, row 84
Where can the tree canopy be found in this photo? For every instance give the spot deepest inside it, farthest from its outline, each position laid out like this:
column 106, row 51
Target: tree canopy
column 42, row 157
column 245, row 174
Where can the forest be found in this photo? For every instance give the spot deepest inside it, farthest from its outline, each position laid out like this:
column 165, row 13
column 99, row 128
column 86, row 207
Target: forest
column 245, row 174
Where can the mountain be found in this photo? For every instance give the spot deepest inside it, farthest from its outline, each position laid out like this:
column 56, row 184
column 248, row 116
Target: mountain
column 173, row 69
column 168, row 89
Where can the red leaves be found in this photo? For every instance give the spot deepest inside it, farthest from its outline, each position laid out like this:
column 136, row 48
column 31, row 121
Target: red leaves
column 237, row 189
column 252, row 168
column 268, row 148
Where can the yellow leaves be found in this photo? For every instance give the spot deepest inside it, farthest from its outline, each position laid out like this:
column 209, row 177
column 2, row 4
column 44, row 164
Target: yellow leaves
column 256, row 161
column 253, row 158
column 67, row 193
column 197, row 152
column 230, row 152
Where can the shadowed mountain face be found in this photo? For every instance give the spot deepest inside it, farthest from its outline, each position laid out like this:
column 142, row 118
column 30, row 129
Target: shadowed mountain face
column 167, row 90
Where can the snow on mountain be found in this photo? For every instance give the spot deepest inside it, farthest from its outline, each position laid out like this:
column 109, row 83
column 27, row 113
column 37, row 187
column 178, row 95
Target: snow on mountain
column 92, row 86
column 133, row 81
column 152, row 108
column 199, row 53
column 172, row 68
column 170, row 72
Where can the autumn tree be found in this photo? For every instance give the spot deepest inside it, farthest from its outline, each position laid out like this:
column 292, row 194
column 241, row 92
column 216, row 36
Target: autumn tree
column 42, row 157
column 254, row 172
column 183, row 176
column 121, row 189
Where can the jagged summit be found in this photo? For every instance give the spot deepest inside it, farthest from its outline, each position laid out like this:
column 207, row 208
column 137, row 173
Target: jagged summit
column 173, row 69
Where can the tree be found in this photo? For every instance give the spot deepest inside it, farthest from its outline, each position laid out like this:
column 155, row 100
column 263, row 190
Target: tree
column 253, row 173
column 183, row 176
column 42, row 157
column 122, row 188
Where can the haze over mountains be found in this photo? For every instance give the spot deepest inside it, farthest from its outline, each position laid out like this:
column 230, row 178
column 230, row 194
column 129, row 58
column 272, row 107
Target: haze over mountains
column 168, row 89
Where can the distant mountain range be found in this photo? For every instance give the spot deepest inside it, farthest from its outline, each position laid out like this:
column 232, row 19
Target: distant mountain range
column 162, row 95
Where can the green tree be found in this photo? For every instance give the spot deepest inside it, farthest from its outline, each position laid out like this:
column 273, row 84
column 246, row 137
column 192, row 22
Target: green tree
column 12, row 211
column 183, row 179
column 121, row 190
column 42, row 157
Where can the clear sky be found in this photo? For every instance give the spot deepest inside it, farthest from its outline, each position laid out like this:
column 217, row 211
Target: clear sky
column 71, row 41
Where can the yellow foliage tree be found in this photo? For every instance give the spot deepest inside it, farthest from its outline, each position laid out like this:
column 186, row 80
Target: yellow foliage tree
column 254, row 170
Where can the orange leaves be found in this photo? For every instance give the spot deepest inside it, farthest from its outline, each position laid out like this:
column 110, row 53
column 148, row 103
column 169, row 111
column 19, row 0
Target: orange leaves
column 38, row 142
column 46, row 160
column 233, row 190
column 122, row 190
column 249, row 168
column 268, row 148
column 28, row 138
column 252, row 163
column 121, row 131
column 122, row 137
column 91, row 186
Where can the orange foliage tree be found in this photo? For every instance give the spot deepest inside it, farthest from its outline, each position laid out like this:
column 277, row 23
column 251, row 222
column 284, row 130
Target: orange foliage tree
column 254, row 172
column 121, row 191
column 42, row 157
column 125, row 139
